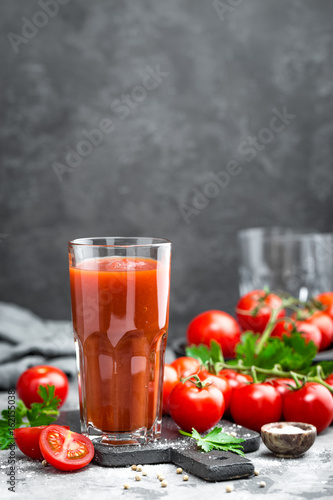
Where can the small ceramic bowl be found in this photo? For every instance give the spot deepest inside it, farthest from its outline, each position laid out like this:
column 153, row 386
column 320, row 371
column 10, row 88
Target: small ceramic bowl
column 288, row 439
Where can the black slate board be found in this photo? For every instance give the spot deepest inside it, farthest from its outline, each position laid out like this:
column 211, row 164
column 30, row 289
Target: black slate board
column 177, row 449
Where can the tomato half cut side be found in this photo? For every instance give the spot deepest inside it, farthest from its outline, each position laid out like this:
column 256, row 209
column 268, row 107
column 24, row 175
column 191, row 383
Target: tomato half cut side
column 27, row 440
column 64, row 449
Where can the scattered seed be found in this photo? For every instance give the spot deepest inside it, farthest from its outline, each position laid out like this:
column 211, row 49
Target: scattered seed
column 229, row 488
column 139, row 468
column 133, row 467
column 137, row 478
column 262, row 484
column 256, row 472
column 44, row 463
column 126, row 486
column 144, row 472
column 185, row 478
column 161, row 478
column 164, row 484
column 233, row 434
column 179, row 470
column 158, row 474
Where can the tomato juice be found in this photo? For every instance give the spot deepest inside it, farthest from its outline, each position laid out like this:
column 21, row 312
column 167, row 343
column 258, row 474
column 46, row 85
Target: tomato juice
column 120, row 310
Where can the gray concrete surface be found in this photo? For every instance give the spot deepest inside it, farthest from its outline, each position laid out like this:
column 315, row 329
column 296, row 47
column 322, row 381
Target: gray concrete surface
column 309, row 477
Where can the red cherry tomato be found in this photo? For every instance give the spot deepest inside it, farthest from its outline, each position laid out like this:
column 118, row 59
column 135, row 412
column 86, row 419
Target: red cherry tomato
column 185, row 366
column 220, row 382
column 236, row 379
column 312, row 404
column 264, row 303
column 215, row 325
column 28, row 383
column 329, row 380
column 282, row 385
column 255, row 405
column 27, row 440
column 170, row 379
column 324, row 323
column 307, row 330
column 327, row 300
column 64, row 449
column 194, row 407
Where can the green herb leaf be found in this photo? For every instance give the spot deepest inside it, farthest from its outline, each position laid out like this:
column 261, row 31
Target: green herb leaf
column 291, row 353
column 211, row 358
column 216, row 440
column 199, row 352
column 39, row 414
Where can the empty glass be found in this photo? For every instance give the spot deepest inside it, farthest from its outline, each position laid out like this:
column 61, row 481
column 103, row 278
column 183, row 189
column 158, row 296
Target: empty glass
column 284, row 259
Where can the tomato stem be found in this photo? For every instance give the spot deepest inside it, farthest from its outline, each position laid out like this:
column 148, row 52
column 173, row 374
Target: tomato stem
column 194, row 379
column 287, row 302
column 277, row 371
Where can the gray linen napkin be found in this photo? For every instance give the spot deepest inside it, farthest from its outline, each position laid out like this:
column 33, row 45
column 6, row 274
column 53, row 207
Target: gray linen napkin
column 26, row 340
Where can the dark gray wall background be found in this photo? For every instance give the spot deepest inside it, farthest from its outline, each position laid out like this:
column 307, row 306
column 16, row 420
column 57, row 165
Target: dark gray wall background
column 224, row 78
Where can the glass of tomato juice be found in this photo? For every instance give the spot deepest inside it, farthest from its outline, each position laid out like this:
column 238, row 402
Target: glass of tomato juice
column 120, row 312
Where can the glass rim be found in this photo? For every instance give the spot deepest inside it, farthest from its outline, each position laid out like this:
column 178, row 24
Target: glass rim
column 144, row 241
column 277, row 231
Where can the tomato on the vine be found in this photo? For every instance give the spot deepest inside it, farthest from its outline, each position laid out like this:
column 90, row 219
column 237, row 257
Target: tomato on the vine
column 324, row 323
column 170, row 379
column 255, row 405
column 311, row 404
column 329, row 380
column 27, row 440
column 254, row 309
column 326, row 299
column 283, row 385
column 220, row 382
column 215, row 325
column 192, row 406
column 236, row 379
column 307, row 330
column 64, row 449
column 185, row 366
column 28, row 383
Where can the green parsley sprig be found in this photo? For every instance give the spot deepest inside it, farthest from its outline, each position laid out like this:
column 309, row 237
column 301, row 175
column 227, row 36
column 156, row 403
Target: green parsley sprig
column 39, row 414
column 216, row 439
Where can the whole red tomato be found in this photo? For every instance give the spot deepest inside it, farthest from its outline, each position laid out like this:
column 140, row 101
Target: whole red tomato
column 196, row 407
column 235, row 379
column 282, row 385
column 260, row 303
column 307, row 330
column 185, row 366
column 215, row 325
column 312, row 404
column 329, row 380
column 28, row 383
column 220, row 382
column 324, row 323
column 255, row 405
column 170, row 379
column 326, row 299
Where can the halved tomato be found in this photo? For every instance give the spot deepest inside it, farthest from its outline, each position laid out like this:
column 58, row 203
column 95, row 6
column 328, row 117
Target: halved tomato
column 27, row 440
column 64, row 449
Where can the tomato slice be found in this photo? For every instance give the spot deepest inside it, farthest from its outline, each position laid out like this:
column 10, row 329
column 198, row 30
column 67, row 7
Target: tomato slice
column 64, row 449
column 27, row 440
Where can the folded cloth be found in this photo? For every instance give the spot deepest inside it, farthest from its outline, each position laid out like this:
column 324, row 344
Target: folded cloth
column 26, row 340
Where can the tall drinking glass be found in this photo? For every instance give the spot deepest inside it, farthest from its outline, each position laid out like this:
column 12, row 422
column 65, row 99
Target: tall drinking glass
column 120, row 312
column 281, row 258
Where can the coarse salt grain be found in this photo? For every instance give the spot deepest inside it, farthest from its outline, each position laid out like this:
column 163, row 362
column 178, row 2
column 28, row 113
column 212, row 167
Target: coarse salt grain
column 287, row 429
